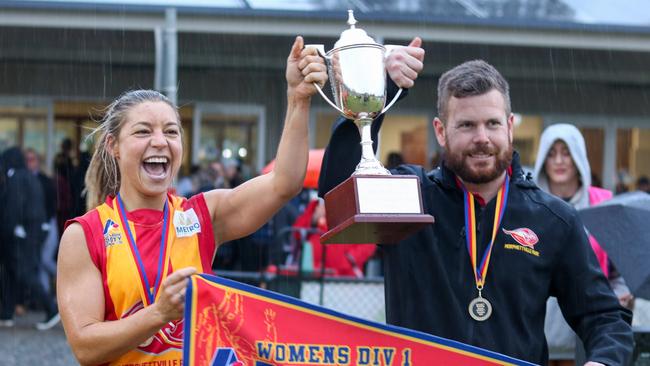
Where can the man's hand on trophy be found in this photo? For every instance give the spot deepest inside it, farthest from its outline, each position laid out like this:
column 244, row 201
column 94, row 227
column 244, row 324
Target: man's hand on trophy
column 304, row 67
column 405, row 63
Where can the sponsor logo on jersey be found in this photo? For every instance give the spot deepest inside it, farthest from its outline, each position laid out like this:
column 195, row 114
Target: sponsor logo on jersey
column 186, row 223
column 112, row 233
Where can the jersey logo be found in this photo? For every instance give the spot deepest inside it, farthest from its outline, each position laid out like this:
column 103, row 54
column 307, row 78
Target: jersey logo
column 523, row 236
column 186, row 223
column 110, row 224
column 112, row 233
column 167, row 338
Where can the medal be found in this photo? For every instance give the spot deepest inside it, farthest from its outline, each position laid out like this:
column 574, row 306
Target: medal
column 480, row 308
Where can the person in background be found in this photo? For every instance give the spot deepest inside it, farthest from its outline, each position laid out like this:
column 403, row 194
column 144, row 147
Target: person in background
column 393, row 160
column 643, row 184
column 232, row 172
column 623, row 182
column 217, row 168
column 562, row 169
column 77, row 184
column 47, row 270
column 63, row 175
column 23, row 235
column 186, row 186
column 340, row 259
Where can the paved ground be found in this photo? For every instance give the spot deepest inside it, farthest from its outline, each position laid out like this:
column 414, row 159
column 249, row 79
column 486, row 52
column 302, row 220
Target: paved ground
column 24, row 345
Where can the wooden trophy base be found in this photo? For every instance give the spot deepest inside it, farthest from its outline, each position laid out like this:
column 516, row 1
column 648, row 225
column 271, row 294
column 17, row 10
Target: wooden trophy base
column 374, row 209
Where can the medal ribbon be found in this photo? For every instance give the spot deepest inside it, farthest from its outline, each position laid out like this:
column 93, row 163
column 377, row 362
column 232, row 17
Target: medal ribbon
column 149, row 294
column 480, row 271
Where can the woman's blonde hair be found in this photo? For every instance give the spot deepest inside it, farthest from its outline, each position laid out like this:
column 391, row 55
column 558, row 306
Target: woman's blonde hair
column 103, row 177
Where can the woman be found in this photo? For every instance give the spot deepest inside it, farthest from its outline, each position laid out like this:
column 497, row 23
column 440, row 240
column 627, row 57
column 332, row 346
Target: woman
column 562, row 169
column 123, row 266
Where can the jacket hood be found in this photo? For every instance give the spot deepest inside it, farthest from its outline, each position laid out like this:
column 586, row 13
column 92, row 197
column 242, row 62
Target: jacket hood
column 576, row 144
column 12, row 158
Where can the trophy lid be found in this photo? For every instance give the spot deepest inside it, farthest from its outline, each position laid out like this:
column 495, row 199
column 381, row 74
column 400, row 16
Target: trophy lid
column 353, row 35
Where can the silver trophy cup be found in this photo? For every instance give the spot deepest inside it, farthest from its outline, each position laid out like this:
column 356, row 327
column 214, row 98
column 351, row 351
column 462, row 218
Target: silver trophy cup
column 357, row 74
column 372, row 206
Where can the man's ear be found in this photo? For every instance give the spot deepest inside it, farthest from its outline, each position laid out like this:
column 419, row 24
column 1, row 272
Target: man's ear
column 511, row 126
column 439, row 128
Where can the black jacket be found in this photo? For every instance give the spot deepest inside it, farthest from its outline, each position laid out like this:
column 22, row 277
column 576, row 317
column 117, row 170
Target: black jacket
column 429, row 281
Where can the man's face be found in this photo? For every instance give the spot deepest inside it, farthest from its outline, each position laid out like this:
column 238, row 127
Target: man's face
column 32, row 161
column 477, row 137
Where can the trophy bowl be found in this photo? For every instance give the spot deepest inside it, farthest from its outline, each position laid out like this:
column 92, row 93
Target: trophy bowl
column 358, row 79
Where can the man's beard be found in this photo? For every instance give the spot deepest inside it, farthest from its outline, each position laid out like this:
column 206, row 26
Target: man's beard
column 456, row 162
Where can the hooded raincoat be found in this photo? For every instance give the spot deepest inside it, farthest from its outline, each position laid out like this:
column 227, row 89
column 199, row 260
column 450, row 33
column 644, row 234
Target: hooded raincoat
column 561, row 339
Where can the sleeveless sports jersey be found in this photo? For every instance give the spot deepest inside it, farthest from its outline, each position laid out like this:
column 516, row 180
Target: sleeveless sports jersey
column 191, row 243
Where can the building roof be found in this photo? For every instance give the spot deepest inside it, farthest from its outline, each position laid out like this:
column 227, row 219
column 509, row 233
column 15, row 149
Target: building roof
column 585, row 15
column 569, row 24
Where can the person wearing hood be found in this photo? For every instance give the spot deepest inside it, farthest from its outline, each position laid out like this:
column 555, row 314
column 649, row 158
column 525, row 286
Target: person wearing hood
column 562, row 169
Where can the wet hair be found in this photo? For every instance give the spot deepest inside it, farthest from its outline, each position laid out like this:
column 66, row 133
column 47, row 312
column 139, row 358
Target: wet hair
column 470, row 78
column 103, row 176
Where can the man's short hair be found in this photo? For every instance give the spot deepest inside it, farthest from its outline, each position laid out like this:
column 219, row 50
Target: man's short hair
column 470, row 78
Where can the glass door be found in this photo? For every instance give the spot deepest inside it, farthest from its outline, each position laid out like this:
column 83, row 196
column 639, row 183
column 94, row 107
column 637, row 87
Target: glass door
column 232, row 135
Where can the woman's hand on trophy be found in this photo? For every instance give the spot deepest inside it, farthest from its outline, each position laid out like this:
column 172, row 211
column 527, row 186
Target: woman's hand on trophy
column 304, row 67
column 404, row 64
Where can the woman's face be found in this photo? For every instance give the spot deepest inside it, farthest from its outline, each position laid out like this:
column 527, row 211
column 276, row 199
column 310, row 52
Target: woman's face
column 559, row 165
column 149, row 148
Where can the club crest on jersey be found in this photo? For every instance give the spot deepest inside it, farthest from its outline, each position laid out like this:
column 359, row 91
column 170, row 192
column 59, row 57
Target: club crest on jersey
column 523, row 236
column 112, row 233
column 526, row 239
column 186, row 223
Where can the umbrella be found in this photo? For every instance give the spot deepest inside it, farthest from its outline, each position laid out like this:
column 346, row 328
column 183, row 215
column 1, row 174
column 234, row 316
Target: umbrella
column 313, row 168
column 622, row 227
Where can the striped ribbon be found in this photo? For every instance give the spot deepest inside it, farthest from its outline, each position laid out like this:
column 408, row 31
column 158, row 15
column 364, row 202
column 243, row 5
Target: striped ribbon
column 480, row 269
column 148, row 293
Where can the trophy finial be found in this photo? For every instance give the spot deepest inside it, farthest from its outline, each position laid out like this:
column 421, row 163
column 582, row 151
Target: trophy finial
column 351, row 20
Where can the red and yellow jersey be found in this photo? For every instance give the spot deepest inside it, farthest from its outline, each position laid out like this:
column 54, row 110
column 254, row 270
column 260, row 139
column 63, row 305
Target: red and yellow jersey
column 192, row 244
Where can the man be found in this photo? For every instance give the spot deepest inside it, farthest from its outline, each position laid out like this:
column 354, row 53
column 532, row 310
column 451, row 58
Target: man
column 533, row 245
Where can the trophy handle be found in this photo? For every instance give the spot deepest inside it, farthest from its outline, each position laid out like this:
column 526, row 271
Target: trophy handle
column 399, row 92
column 321, row 52
column 320, row 91
column 389, row 49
